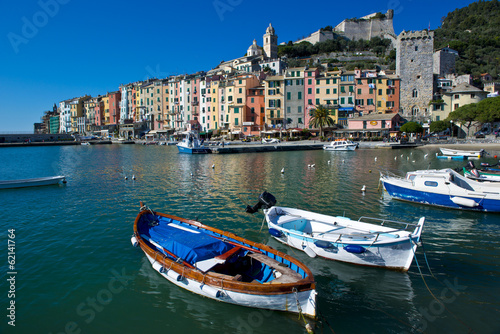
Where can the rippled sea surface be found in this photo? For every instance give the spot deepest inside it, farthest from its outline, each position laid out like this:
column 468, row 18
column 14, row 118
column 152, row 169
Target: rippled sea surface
column 77, row 271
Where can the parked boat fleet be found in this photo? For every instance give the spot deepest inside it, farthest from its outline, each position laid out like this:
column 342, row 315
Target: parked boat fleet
column 222, row 266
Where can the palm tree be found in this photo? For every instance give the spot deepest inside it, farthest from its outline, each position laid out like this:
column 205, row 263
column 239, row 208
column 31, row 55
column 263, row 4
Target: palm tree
column 321, row 118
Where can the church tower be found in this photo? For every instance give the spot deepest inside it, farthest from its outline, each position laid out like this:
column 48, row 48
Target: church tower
column 270, row 43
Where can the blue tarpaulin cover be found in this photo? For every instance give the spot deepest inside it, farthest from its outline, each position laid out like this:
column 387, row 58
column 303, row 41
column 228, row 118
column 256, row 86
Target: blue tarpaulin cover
column 190, row 244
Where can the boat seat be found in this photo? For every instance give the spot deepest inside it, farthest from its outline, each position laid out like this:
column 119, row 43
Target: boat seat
column 228, row 254
column 287, row 275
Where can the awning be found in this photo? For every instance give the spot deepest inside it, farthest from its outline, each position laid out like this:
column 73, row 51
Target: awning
column 346, row 109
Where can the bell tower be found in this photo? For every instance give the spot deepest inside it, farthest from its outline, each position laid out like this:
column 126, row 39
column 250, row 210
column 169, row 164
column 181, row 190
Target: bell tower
column 270, row 43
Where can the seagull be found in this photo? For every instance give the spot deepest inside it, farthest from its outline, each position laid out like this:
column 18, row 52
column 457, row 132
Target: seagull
column 283, row 170
column 328, row 161
column 213, row 166
column 133, row 177
column 407, row 158
column 308, row 166
column 363, row 188
column 343, row 160
column 395, row 158
column 126, row 178
column 425, row 155
column 375, row 158
column 401, row 155
column 191, row 173
column 313, row 165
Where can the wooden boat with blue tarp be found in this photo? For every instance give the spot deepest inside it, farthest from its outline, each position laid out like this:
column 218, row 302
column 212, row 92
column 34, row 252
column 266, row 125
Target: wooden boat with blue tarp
column 222, row 266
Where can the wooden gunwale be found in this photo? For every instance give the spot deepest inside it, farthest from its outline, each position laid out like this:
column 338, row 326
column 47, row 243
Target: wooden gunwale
column 216, row 281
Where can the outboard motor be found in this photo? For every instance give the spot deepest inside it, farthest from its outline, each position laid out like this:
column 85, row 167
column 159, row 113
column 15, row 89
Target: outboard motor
column 266, row 201
column 470, row 165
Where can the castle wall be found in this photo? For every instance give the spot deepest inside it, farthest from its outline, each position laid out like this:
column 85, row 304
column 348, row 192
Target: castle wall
column 414, row 65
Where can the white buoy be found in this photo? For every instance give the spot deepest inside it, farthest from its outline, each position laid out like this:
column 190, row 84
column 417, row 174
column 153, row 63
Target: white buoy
column 283, row 170
column 134, row 241
column 363, row 189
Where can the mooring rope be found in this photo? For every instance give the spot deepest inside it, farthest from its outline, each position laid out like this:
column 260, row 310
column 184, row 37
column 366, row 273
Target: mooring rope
column 437, row 299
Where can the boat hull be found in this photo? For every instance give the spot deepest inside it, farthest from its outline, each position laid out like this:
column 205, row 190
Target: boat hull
column 443, row 200
column 191, row 150
column 344, row 148
column 277, row 302
column 36, row 182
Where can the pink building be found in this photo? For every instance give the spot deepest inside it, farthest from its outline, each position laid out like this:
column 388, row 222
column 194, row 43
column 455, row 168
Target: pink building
column 309, row 93
column 375, row 125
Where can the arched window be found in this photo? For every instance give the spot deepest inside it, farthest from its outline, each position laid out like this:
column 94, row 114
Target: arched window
column 414, row 111
column 414, row 93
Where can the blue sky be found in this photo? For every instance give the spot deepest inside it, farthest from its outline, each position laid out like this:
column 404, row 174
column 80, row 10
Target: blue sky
column 52, row 50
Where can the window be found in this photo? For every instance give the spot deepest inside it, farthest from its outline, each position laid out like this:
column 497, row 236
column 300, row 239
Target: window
column 359, row 91
column 342, row 100
column 371, row 91
column 239, row 90
column 379, row 103
column 416, row 47
column 359, row 82
column 327, row 81
column 327, row 91
column 251, row 100
column 317, row 90
column 335, row 91
column 299, row 95
column 239, row 100
column 414, row 93
column 317, row 82
column 299, row 109
column 309, row 90
column 456, row 106
column 288, row 110
column 431, row 183
column 309, row 81
column 351, row 89
column 310, row 101
column 236, row 110
column 317, row 101
column 342, row 89
column 380, row 92
column 300, row 120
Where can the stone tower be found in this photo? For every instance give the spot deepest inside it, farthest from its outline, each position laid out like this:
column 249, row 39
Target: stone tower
column 414, row 65
column 270, row 43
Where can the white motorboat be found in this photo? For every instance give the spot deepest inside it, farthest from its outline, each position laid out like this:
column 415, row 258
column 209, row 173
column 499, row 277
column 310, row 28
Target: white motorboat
column 443, row 187
column 192, row 144
column 366, row 241
column 341, row 145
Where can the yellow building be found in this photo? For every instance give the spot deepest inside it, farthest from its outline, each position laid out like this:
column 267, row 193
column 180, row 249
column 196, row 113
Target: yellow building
column 105, row 103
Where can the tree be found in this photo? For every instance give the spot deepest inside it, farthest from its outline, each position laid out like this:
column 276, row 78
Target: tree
column 466, row 115
column 412, row 127
column 439, row 126
column 321, row 118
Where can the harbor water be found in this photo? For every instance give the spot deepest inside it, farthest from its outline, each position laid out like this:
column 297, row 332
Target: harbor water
column 75, row 270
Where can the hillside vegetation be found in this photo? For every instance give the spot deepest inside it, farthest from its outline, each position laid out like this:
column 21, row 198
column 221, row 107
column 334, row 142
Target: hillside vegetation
column 474, row 31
